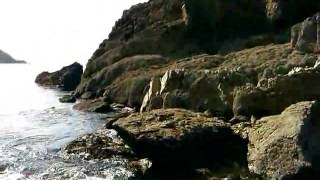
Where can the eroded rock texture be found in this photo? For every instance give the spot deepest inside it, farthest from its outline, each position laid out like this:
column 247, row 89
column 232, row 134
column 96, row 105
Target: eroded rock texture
column 286, row 146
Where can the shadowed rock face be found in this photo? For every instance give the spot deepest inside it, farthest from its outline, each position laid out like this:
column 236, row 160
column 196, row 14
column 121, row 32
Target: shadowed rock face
column 68, row 78
column 181, row 138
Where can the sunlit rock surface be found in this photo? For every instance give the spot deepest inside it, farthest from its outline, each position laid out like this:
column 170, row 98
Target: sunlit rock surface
column 286, row 146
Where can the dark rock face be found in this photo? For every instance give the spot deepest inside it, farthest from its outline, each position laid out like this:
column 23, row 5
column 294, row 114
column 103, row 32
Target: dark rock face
column 286, row 146
column 68, row 78
column 180, row 138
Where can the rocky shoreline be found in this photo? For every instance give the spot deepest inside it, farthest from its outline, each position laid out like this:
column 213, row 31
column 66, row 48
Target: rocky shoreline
column 210, row 95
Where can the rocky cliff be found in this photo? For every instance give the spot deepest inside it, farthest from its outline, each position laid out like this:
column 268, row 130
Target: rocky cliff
column 175, row 29
column 209, row 72
column 6, row 58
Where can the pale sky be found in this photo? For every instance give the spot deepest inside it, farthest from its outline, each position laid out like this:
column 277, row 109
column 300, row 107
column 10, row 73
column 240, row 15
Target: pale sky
column 54, row 33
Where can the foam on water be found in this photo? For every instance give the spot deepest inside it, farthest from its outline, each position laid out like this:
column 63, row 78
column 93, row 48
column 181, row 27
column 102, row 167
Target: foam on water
column 34, row 126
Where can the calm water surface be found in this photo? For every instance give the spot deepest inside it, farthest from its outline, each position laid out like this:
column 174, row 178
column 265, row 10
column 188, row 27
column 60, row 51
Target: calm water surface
column 34, row 126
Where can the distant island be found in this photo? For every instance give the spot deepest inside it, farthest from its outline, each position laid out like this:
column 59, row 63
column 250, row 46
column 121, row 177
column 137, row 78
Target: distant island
column 5, row 58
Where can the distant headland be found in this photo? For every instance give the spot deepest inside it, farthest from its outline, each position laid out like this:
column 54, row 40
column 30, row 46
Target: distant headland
column 5, row 58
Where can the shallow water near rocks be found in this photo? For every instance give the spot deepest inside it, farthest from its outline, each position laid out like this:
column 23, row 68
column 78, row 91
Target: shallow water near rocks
column 34, row 126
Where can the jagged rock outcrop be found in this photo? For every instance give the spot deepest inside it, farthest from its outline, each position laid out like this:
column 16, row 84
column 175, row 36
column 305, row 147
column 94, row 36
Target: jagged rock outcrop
column 181, row 138
column 273, row 95
column 6, row 58
column 214, row 89
column 286, row 146
column 68, row 78
column 200, row 91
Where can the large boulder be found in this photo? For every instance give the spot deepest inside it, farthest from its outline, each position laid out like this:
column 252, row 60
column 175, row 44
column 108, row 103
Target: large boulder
column 201, row 91
column 305, row 36
column 68, row 78
column 96, row 105
column 286, row 146
column 181, row 138
column 273, row 95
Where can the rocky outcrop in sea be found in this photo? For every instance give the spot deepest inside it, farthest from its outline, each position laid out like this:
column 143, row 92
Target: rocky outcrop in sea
column 67, row 79
column 217, row 89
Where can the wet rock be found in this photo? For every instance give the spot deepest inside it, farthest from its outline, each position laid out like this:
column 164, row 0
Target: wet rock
column 100, row 145
column 67, row 78
column 286, row 146
column 3, row 168
column 181, row 138
column 106, row 145
column 97, row 105
column 68, row 99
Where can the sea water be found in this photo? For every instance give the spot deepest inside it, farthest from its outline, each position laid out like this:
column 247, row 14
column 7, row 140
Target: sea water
column 34, row 126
